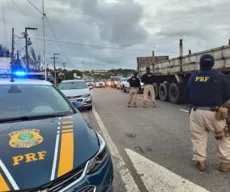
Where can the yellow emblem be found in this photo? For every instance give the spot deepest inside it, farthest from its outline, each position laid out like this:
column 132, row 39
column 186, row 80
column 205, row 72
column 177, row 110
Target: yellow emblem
column 25, row 138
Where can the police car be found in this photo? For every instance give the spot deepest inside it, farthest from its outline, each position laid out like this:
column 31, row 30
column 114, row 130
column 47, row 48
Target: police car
column 46, row 146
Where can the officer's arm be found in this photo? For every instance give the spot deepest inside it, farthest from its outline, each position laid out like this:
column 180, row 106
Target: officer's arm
column 139, row 83
column 143, row 78
column 189, row 86
column 226, row 89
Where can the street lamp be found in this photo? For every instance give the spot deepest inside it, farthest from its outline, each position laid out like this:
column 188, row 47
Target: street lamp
column 28, row 43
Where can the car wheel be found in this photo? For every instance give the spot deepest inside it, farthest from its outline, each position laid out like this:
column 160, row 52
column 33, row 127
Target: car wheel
column 90, row 108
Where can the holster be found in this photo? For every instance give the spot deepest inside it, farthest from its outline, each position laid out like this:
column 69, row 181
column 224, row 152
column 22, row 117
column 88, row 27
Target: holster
column 222, row 113
column 222, row 134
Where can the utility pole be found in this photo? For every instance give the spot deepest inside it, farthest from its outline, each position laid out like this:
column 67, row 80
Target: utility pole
column 44, row 40
column 12, row 51
column 64, row 68
column 55, row 75
column 27, row 43
column 64, row 64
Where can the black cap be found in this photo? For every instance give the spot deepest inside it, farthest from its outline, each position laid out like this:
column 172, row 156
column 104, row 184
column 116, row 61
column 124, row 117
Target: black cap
column 135, row 73
column 206, row 61
column 147, row 68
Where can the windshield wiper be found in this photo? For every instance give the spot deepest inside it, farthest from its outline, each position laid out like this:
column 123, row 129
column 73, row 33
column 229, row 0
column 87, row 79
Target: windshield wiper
column 27, row 118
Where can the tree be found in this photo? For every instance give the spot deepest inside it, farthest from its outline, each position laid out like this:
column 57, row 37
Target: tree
column 34, row 60
column 4, row 52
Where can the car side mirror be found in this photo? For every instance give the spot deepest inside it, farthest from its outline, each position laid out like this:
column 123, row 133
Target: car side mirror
column 78, row 105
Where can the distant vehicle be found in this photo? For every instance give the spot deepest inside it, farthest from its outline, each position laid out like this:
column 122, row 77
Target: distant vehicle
column 90, row 84
column 121, row 82
column 77, row 90
column 126, row 86
column 108, row 83
column 114, row 82
column 99, row 84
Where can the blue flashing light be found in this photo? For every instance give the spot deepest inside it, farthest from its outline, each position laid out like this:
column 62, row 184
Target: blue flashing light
column 20, row 73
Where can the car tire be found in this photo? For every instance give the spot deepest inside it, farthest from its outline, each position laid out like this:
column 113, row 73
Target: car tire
column 124, row 89
column 176, row 93
column 156, row 89
column 90, row 108
column 163, row 91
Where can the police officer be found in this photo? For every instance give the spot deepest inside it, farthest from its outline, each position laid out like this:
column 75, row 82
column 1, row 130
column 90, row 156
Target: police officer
column 135, row 86
column 148, row 80
column 207, row 91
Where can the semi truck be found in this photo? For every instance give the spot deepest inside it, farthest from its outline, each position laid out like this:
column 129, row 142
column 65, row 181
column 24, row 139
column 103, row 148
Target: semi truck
column 172, row 74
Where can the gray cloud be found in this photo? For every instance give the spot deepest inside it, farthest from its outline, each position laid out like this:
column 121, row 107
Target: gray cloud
column 132, row 24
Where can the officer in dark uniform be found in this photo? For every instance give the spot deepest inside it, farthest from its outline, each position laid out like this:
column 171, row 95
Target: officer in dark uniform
column 148, row 80
column 207, row 91
column 135, row 86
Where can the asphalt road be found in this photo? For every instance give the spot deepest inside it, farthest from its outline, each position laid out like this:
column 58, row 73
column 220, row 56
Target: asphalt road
column 151, row 147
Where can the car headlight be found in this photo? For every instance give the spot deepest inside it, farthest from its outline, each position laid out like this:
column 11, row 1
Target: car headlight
column 86, row 95
column 99, row 158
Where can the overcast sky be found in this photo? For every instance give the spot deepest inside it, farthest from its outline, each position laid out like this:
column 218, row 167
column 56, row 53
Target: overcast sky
column 117, row 31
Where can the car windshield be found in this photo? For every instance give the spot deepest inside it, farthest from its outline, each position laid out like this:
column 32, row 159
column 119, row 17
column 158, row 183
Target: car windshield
column 123, row 79
column 27, row 101
column 73, row 85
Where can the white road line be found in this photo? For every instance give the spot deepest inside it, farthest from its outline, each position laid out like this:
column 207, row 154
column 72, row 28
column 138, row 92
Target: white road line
column 157, row 178
column 184, row 110
column 125, row 174
column 55, row 158
column 9, row 176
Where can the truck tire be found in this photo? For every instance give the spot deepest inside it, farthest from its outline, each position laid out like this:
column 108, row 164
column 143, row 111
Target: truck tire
column 156, row 88
column 163, row 91
column 176, row 93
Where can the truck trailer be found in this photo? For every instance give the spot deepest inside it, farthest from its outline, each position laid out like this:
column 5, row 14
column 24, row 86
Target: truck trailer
column 172, row 74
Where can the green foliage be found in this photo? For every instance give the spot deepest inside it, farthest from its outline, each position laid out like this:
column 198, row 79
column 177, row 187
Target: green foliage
column 4, row 52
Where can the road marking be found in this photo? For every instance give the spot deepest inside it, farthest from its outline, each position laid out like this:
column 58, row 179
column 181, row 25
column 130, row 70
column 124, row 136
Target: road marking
column 125, row 174
column 157, row 178
column 9, row 176
column 184, row 110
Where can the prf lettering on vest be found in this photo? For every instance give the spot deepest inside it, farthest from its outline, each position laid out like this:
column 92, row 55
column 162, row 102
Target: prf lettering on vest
column 29, row 157
column 202, row 79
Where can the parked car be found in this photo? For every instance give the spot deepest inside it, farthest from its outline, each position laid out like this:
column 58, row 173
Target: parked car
column 108, row 82
column 114, row 82
column 90, row 84
column 77, row 90
column 99, row 84
column 120, row 82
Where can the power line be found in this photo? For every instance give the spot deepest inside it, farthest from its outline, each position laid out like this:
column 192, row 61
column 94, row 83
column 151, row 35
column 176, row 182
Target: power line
column 16, row 5
column 56, row 38
column 100, row 46
column 35, row 7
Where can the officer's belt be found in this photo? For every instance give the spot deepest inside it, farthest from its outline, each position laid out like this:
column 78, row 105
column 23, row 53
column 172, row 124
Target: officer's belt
column 206, row 108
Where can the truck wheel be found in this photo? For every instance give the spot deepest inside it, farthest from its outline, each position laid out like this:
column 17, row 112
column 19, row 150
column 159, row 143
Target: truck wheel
column 156, row 88
column 176, row 93
column 163, row 91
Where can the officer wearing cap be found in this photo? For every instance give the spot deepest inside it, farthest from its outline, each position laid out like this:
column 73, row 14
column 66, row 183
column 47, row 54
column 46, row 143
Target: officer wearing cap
column 148, row 80
column 135, row 86
column 207, row 91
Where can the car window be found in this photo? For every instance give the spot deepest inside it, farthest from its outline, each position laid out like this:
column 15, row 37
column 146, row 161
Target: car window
column 27, row 100
column 73, row 85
